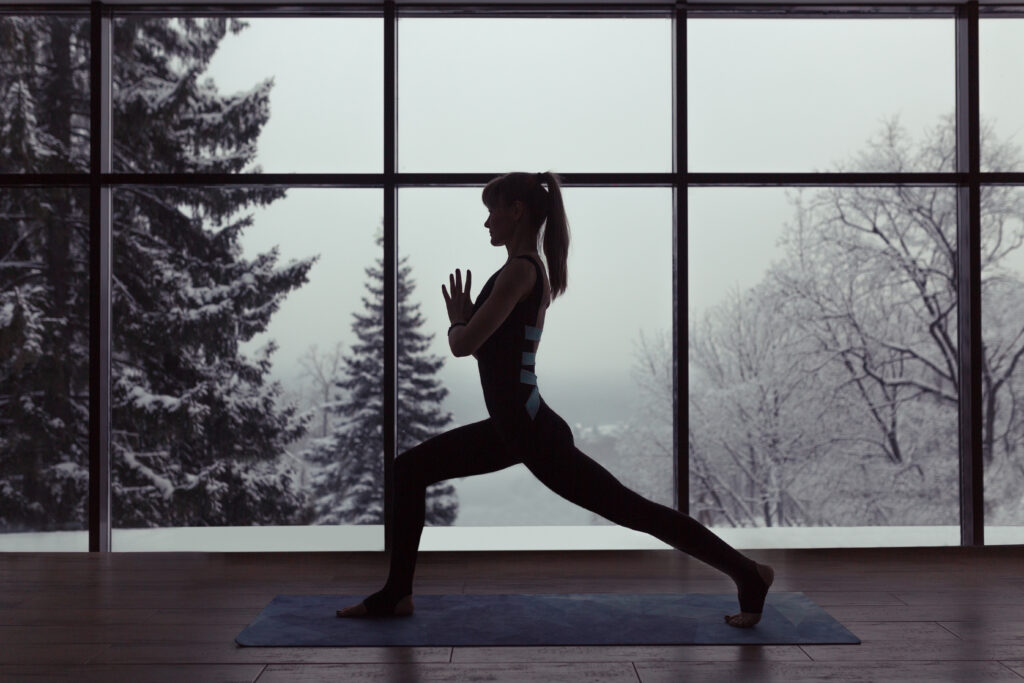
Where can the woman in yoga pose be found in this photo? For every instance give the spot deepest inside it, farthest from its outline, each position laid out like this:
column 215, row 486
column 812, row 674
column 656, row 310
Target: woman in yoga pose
column 502, row 330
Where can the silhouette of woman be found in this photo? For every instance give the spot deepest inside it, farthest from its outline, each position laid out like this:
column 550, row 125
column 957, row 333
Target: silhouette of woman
column 501, row 330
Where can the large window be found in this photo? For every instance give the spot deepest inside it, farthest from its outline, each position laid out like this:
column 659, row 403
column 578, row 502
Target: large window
column 1001, row 70
column 44, row 93
column 44, row 368
column 574, row 100
column 785, row 204
column 822, row 358
column 807, row 94
column 231, row 336
column 1002, row 293
column 1001, row 67
column 310, row 104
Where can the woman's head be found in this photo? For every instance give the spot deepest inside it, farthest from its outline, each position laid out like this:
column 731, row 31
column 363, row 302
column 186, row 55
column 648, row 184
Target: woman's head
column 523, row 198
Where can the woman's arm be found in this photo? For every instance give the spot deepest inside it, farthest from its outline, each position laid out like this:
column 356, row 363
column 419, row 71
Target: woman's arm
column 514, row 281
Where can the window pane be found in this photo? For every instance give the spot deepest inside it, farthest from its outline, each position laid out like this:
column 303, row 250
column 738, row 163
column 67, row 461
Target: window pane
column 603, row 364
column 803, row 94
column 477, row 95
column 275, row 95
column 44, row 369
column 823, row 365
column 44, row 94
column 1002, row 383
column 247, row 369
column 1001, row 75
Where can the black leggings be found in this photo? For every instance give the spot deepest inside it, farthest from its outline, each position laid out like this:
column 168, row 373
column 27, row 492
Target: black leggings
column 476, row 448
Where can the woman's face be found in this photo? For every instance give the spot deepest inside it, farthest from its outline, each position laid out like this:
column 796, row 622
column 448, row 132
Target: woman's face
column 501, row 223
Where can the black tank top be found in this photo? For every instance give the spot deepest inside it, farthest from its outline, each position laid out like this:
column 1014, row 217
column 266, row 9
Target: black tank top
column 507, row 359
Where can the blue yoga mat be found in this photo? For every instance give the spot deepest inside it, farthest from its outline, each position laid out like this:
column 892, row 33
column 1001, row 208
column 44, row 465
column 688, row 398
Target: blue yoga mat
column 562, row 619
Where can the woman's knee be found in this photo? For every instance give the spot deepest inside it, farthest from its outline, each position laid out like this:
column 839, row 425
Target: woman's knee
column 422, row 463
column 409, row 465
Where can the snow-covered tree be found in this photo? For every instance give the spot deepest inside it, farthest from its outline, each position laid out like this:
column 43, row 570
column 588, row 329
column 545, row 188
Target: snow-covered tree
column 44, row 303
column 758, row 415
column 198, row 435
column 871, row 274
column 44, row 94
column 349, row 488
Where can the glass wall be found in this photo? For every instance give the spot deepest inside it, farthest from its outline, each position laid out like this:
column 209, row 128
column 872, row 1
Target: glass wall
column 472, row 99
column 1001, row 73
column 248, row 330
column 312, row 104
column 248, row 336
column 247, row 368
column 807, row 94
column 822, row 322
column 44, row 369
column 44, row 94
column 1002, row 307
column 1001, row 67
column 822, row 355
column 44, row 285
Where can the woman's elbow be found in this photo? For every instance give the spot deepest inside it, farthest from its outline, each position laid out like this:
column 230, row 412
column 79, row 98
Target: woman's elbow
column 459, row 344
column 460, row 352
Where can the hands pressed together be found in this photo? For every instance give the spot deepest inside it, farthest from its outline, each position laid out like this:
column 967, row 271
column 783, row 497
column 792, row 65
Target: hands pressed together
column 459, row 303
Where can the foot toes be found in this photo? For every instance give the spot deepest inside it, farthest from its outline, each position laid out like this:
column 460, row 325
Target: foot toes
column 743, row 619
column 353, row 611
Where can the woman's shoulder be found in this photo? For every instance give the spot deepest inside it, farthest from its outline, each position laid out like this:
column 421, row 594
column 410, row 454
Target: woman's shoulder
column 518, row 270
column 528, row 264
column 530, row 269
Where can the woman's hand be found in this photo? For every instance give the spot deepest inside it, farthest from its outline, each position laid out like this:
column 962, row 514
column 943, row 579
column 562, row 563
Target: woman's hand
column 460, row 306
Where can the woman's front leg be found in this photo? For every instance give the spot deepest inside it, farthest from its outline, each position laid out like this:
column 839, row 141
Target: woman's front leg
column 461, row 452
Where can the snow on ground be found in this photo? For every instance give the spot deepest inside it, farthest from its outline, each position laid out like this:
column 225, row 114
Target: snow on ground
column 599, row 537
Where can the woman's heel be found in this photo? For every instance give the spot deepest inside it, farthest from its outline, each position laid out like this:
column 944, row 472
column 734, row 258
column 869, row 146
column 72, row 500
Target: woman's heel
column 403, row 608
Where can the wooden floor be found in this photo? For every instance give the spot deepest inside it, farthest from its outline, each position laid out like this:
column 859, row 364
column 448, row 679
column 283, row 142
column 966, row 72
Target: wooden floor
column 923, row 614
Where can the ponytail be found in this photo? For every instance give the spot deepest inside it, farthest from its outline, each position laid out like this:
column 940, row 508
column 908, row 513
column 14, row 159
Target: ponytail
column 556, row 236
column 541, row 205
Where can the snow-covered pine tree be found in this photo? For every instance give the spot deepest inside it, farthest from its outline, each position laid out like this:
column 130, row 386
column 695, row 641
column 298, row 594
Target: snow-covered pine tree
column 197, row 434
column 349, row 488
column 44, row 303
column 200, row 434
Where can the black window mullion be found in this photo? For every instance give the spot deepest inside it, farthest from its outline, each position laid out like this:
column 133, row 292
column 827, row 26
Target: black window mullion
column 680, row 265
column 99, row 280
column 390, row 389
column 968, row 160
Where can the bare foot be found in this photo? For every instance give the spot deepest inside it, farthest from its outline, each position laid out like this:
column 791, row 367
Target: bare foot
column 748, row 619
column 403, row 608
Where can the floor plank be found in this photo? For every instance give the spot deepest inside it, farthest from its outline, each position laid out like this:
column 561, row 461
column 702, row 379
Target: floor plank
column 520, row 672
column 144, row 673
column 813, row 672
column 995, row 630
column 228, row 652
column 634, row 653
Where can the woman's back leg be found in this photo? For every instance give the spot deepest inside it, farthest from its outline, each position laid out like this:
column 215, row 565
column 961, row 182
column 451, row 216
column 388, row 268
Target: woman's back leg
column 575, row 476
